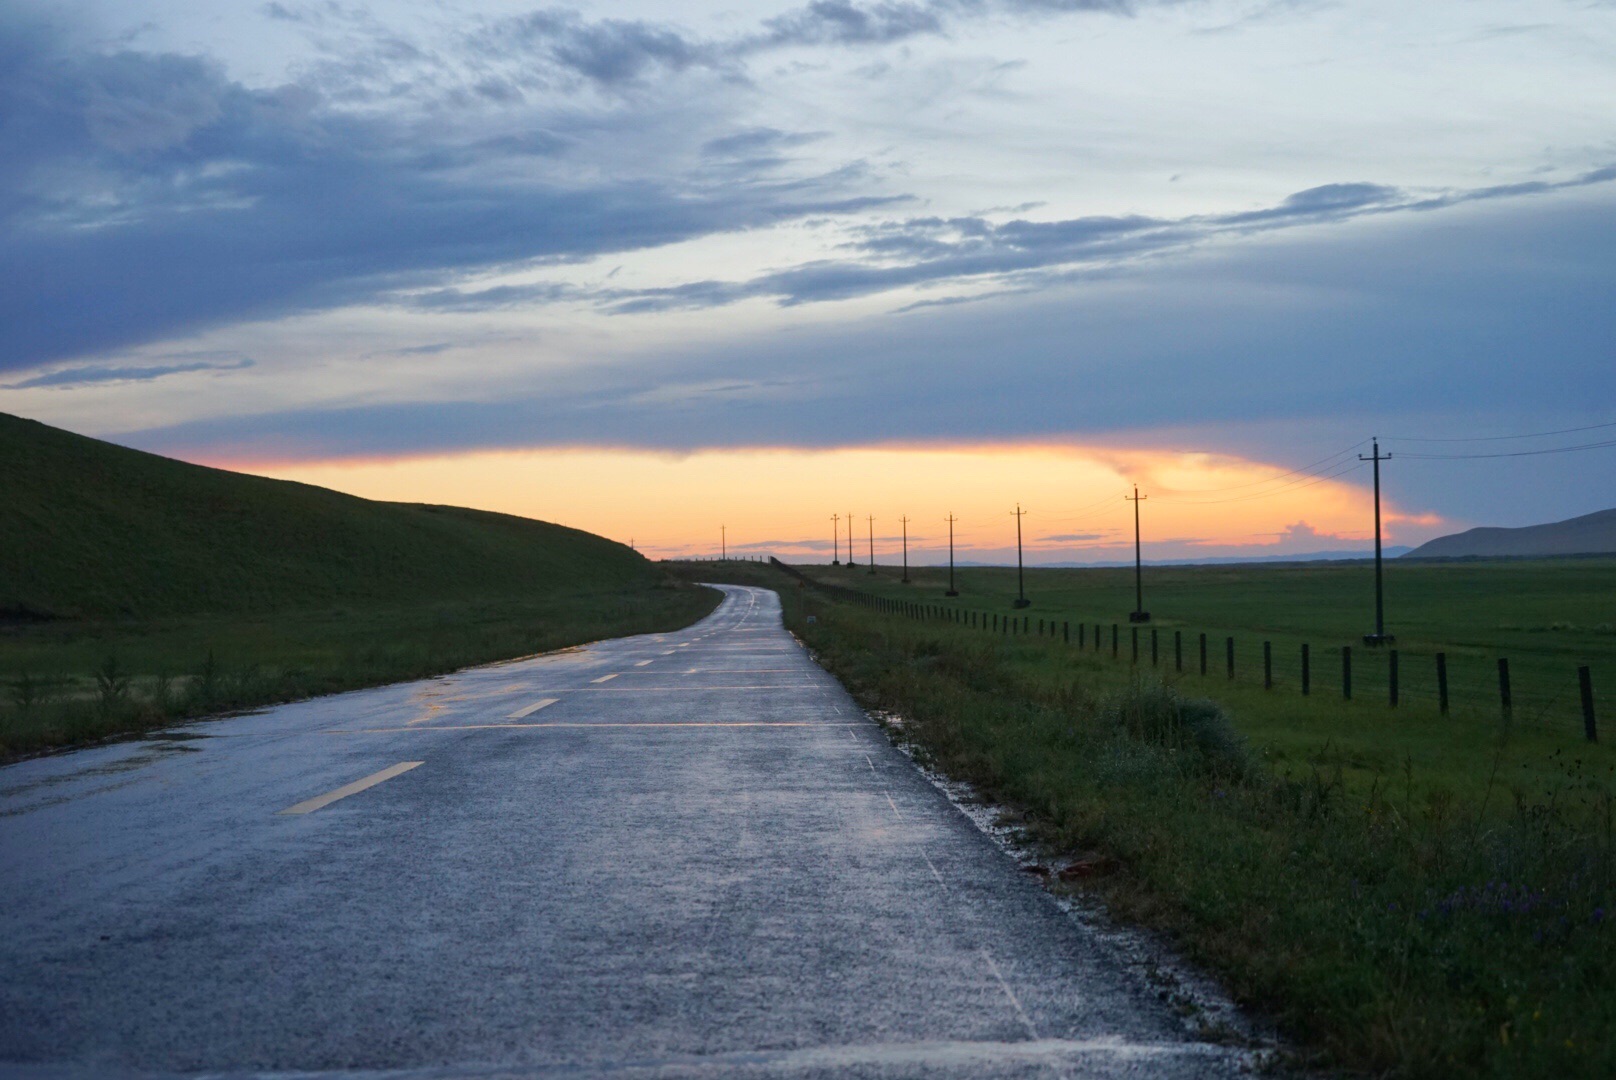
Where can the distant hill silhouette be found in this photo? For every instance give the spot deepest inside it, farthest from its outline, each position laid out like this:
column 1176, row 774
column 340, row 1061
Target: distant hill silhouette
column 1591, row 534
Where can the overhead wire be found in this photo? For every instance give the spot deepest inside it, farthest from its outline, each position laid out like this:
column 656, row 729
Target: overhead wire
column 1498, row 438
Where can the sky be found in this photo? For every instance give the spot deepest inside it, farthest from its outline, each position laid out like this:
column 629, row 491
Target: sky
column 683, row 272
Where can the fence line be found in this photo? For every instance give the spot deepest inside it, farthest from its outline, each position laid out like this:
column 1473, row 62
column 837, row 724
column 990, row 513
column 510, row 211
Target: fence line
column 1394, row 691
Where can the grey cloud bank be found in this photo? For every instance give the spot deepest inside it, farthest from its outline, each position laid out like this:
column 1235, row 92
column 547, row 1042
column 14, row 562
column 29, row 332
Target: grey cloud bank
column 465, row 181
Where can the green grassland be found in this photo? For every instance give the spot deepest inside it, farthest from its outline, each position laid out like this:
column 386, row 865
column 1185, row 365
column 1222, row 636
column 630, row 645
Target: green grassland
column 135, row 590
column 1404, row 895
column 1546, row 616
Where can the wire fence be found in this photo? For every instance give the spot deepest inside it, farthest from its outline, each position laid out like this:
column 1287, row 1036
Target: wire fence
column 1469, row 683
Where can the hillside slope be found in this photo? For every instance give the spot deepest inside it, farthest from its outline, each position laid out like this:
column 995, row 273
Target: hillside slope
column 1587, row 535
column 92, row 529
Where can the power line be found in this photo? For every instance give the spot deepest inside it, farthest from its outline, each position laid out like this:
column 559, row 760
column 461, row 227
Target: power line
column 1305, row 470
column 1502, row 438
column 1514, row 453
column 1296, row 485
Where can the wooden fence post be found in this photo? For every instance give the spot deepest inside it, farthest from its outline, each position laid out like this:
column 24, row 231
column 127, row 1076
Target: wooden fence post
column 1391, row 676
column 1268, row 665
column 1586, row 683
column 1154, row 647
column 1504, row 700
column 1307, row 671
column 1178, row 651
column 1346, row 673
column 1442, row 683
column 1228, row 648
column 1203, row 655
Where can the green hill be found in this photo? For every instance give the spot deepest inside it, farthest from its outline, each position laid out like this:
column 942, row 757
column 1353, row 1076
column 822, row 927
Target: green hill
column 136, row 591
column 92, row 529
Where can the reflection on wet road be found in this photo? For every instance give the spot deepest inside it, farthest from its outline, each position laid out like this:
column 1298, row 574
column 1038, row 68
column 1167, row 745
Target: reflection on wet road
column 684, row 854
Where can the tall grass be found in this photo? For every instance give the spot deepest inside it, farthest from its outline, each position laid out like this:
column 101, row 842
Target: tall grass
column 72, row 682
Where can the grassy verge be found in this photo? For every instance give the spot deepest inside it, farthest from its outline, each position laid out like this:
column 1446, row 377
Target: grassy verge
column 72, row 681
column 1394, row 927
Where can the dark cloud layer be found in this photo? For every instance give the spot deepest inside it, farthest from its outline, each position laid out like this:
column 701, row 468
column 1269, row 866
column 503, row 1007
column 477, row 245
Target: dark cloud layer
column 1480, row 320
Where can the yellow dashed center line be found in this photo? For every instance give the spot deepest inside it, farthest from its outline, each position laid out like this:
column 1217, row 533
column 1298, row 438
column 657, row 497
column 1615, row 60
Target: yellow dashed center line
column 308, row 806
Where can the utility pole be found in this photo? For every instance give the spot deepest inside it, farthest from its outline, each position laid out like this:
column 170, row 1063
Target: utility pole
column 836, row 541
column 951, row 590
column 905, row 520
column 850, row 562
column 1021, row 573
column 872, row 543
column 1380, row 636
column 723, row 542
column 1139, row 613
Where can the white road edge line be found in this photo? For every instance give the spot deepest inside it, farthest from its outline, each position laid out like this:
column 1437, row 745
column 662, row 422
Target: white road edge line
column 529, row 710
column 308, row 806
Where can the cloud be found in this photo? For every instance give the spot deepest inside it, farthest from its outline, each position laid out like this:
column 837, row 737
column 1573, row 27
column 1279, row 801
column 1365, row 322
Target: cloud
column 1483, row 319
column 1070, row 538
column 928, row 252
column 178, row 199
column 91, row 374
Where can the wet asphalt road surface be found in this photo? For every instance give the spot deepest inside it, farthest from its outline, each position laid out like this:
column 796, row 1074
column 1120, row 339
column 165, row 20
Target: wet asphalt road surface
column 686, row 854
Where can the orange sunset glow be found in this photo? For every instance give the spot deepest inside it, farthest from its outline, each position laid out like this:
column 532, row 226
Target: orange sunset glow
column 780, row 501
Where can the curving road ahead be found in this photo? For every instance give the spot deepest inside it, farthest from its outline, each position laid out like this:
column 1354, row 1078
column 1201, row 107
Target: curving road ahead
column 678, row 855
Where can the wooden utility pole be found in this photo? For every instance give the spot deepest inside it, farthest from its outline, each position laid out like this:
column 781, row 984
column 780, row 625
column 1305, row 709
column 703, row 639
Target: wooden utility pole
column 1139, row 613
column 836, row 541
column 905, row 521
column 872, row 542
column 1380, row 636
column 850, row 562
column 951, row 590
column 1021, row 573
column 723, row 542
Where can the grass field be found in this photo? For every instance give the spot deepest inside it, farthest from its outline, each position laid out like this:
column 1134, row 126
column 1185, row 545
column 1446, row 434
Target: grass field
column 1401, row 900
column 1546, row 616
column 135, row 590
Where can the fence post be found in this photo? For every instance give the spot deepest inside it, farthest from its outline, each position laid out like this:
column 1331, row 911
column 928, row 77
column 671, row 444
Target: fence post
column 1503, row 689
column 1228, row 649
column 1178, row 651
column 1114, row 652
column 1096, row 637
column 1082, row 635
column 1134, row 658
column 1586, row 681
column 1154, row 647
column 1268, row 665
column 1442, row 683
column 1391, row 676
column 1040, row 628
column 1307, row 671
column 1066, row 632
column 1203, row 655
column 1026, row 621
column 1346, row 672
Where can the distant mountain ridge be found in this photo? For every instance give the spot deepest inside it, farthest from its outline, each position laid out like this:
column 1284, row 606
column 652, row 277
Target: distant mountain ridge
column 1591, row 534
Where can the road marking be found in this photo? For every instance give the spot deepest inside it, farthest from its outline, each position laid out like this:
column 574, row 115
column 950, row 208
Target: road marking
column 1032, row 1032
column 934, row 872
column 308, row 806
column 588, row 724
column 641, row 663
column 605, row 678
column 868, row 762
column 533, row 708
column 667, row 652
column 893, row 805
column 692, row 689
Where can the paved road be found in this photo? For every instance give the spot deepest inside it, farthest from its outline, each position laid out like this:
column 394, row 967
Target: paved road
column 675, row 855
